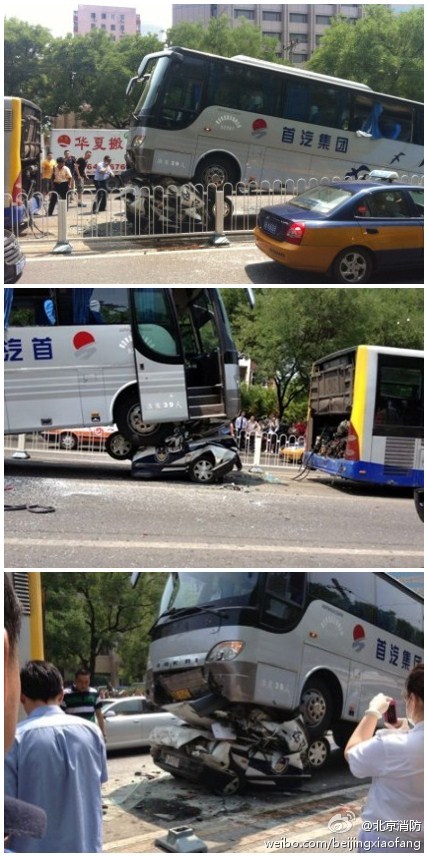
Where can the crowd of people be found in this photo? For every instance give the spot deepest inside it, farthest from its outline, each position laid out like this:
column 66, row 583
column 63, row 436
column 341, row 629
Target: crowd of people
column 66, row 176
column 273, row 432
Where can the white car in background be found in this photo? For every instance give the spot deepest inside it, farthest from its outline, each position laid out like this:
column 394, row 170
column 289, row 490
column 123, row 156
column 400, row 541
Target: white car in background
column 130, row 720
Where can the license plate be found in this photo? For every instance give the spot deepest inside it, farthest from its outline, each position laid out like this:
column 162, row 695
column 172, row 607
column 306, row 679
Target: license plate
column 172, row 761
column 19, row 267
column 270, row 227
column 181, row 695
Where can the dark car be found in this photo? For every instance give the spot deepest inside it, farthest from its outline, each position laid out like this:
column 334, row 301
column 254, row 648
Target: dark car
column 348, row 229
column 14, row 259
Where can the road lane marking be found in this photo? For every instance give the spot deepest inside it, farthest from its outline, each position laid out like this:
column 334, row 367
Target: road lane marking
column 203, row 546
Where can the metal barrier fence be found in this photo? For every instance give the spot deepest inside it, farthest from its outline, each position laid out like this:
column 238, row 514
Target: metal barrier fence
column 267, row 450
column 133, row 212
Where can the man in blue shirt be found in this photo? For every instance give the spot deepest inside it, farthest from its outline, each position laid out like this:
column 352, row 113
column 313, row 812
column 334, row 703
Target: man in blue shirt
column 58, row 763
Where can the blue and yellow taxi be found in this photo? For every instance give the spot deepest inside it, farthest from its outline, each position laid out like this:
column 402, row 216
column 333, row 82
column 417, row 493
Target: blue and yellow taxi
column 349, row 230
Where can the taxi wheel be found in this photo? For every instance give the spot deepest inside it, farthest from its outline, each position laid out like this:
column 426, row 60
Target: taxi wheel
column 353, row 265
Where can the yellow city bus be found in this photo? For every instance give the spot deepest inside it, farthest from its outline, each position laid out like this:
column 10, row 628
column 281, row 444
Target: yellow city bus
column 22, row 152
column 366, row 415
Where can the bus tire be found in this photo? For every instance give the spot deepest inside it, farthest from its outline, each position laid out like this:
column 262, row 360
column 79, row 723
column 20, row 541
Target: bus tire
column 317, row 707
column 132, row 427
column 217, row 170
column 352, row 266
column 418, row 496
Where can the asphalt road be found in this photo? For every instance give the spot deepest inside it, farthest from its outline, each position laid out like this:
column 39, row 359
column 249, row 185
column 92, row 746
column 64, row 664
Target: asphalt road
column 238, row 263
column 104, row 519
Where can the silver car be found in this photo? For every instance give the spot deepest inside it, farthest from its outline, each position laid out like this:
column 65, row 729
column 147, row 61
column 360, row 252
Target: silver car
column 131, row 720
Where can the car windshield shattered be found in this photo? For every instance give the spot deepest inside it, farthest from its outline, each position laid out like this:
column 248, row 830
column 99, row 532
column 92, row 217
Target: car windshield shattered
column 323, row 199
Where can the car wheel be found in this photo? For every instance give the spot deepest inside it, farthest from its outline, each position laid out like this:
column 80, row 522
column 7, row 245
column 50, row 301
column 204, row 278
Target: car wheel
column 132, row 426
column 318, row 752
column 317, row 707
column 68, row 440
column 217, row 171
column 353, row 265
column 202, row 470
column 119, row 447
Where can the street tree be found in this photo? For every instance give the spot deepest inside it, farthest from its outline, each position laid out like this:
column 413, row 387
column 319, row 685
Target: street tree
column 382, row 49
column 87, row 613
column 26, row 68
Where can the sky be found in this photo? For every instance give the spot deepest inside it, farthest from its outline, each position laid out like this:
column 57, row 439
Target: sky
column 58, row 18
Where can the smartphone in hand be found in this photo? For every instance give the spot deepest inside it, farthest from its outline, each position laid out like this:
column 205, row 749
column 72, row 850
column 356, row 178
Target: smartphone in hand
column 391, row 713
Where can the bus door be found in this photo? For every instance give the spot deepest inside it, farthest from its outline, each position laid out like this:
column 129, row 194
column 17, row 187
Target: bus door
column 159, row 358
column 203, row 352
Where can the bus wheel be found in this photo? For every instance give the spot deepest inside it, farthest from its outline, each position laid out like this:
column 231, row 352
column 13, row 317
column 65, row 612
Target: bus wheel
column 353, row 265
column 317, row 707
column 132, row 426
column 418, row 496
column 216, row 171
column 119, row 447
column 318, row 752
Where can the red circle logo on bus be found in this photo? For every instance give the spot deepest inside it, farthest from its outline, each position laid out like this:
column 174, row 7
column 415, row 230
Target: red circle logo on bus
column 359, row 638
column 82, row 339
column 259, row 127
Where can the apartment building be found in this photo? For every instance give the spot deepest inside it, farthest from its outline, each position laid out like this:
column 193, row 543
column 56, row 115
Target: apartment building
column 298, row 27
column 117, row 21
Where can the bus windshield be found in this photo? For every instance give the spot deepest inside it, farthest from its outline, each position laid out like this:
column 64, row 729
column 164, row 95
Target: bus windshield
column 186, row 590
column 152, row 79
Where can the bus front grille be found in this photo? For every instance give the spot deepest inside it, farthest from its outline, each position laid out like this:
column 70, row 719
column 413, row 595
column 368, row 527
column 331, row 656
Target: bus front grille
column 399, row 454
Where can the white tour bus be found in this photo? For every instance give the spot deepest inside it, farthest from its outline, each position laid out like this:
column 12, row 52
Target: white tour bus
column 145, row 359
column 215, row 120
column 243, row 648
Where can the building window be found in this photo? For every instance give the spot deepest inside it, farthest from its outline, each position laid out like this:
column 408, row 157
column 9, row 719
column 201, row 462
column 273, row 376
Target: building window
column 103, row 16
column 323, row 19
column 249, row 14
column 93, row 16
column 112, row 26
column 103, row 26
column 93, row 26
column 122, row 18
column 122, row 28
column 272, row 16
column 298, row 58
column 297, row 18
column 298, row 37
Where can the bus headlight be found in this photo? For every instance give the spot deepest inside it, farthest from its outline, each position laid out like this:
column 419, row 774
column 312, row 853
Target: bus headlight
column 138, row 141
column 226, row 651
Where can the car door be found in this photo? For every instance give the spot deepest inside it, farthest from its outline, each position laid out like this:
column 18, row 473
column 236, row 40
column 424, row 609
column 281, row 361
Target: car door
column 124, row 723
column 390, row 227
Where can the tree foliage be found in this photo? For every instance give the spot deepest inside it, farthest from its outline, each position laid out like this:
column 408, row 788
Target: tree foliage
column 291, row 328
column 382, row 49
column 84, row 74
column 89, row 613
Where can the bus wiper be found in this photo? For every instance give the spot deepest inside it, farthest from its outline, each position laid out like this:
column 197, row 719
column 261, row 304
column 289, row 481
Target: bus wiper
column 177, row 611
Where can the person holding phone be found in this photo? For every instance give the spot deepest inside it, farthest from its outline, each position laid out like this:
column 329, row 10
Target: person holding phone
column 393, row 757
